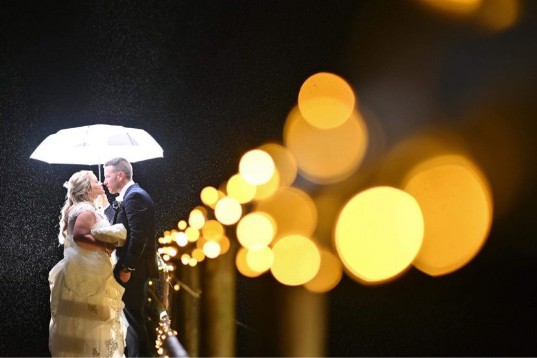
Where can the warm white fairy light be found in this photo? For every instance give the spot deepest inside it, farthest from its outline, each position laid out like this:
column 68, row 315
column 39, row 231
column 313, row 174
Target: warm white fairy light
column 164, row 331
column 185, row 258
column 181, row 239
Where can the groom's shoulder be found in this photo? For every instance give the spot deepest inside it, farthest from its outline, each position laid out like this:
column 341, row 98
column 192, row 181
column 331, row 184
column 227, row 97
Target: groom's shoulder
column 137, row 190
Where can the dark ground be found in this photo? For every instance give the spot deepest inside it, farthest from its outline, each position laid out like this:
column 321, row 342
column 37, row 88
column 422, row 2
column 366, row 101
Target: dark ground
column 213, row 79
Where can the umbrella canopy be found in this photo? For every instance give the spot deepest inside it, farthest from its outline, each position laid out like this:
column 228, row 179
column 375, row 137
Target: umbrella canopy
column 95, row 144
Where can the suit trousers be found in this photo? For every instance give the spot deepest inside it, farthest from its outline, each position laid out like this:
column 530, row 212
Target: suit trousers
column 137, row 337
column 135, row 298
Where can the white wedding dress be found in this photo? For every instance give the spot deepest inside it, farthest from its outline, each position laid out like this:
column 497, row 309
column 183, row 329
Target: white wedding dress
column 85, row 300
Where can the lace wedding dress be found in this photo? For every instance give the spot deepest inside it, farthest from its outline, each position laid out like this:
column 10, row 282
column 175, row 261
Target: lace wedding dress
column 85, row 301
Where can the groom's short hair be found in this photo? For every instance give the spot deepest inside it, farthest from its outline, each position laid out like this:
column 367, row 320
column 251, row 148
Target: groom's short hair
column 121, row 165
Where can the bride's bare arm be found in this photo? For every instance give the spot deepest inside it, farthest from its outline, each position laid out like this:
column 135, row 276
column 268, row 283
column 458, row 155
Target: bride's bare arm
column 82, row 233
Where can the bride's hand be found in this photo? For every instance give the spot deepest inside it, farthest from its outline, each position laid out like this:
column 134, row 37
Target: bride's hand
column 102, row 201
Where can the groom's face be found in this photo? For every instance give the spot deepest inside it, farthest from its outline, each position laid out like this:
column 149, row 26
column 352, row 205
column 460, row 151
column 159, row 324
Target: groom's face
column 112, row 180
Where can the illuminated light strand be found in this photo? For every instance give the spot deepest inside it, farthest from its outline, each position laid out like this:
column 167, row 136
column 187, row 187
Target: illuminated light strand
column 163, row 332
column 163, row 328
column 190, row 290
column 284, row 164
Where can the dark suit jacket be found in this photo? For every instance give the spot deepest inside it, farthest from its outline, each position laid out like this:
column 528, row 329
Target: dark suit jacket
column 137, row 213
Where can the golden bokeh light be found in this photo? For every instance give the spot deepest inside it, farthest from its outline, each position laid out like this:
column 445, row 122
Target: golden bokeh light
column 211, row 249
column 238, row 188
column 379, row 233
column 198, row 254
column 242, row 265
column 181, row 239
column 171, row 238
column 284, row 162
column 326, row 156
column 200, row 242
column 225, row 244
column 329, row 275
column 454, row 7
column 185, row 258
column 196, row 218
column 499, row 15
column 256, row 166
column 192, row 234
column 181, row 225
column 493, row 15
column 169, row 250
column 457, row 209
column 268, row 189
column 256, row 230
column 213, row 230
column 209, row 196
column 293, row 211
column 228, row 211
column 413, row 150
column 326, row 100
column 167, row 237
column 260, row 260
column 296, row 260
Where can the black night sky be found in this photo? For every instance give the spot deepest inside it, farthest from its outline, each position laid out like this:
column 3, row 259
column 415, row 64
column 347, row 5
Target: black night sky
column 210, row 80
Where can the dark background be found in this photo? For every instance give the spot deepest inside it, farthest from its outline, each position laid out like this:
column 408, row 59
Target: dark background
column 210, row 80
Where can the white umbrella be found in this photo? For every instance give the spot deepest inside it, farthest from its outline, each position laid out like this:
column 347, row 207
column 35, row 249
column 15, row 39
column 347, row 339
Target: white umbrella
column 95, row 144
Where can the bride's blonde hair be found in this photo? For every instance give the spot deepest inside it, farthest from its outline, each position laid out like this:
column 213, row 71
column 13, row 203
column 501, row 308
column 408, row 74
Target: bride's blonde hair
column 78, row 190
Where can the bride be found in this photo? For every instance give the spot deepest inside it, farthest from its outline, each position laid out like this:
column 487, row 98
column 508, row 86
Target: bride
column 85, row 300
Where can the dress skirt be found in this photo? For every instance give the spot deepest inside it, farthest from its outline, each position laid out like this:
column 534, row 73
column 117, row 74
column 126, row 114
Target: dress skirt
column 86, row 308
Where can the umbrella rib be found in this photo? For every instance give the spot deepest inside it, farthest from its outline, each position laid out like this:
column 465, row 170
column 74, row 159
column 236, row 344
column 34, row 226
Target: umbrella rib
column 132, row 141
column 87, row 135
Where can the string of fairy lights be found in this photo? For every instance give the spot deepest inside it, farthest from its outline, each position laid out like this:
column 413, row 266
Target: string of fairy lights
column 372, row 232
column 429, row 206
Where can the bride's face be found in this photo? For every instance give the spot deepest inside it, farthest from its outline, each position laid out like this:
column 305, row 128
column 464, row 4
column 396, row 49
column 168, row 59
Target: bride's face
column 96, row 187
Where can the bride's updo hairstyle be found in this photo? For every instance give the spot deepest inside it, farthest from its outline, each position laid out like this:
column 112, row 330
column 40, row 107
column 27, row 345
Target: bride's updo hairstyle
column 78, row 190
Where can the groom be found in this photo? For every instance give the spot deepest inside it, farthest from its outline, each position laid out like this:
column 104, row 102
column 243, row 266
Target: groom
column 136, row 260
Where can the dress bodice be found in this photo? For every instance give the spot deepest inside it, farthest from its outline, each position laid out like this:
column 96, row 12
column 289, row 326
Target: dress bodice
column 76, row 210
column 72, row 215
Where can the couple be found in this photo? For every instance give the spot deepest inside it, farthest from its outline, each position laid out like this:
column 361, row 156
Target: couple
column 97, row 296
